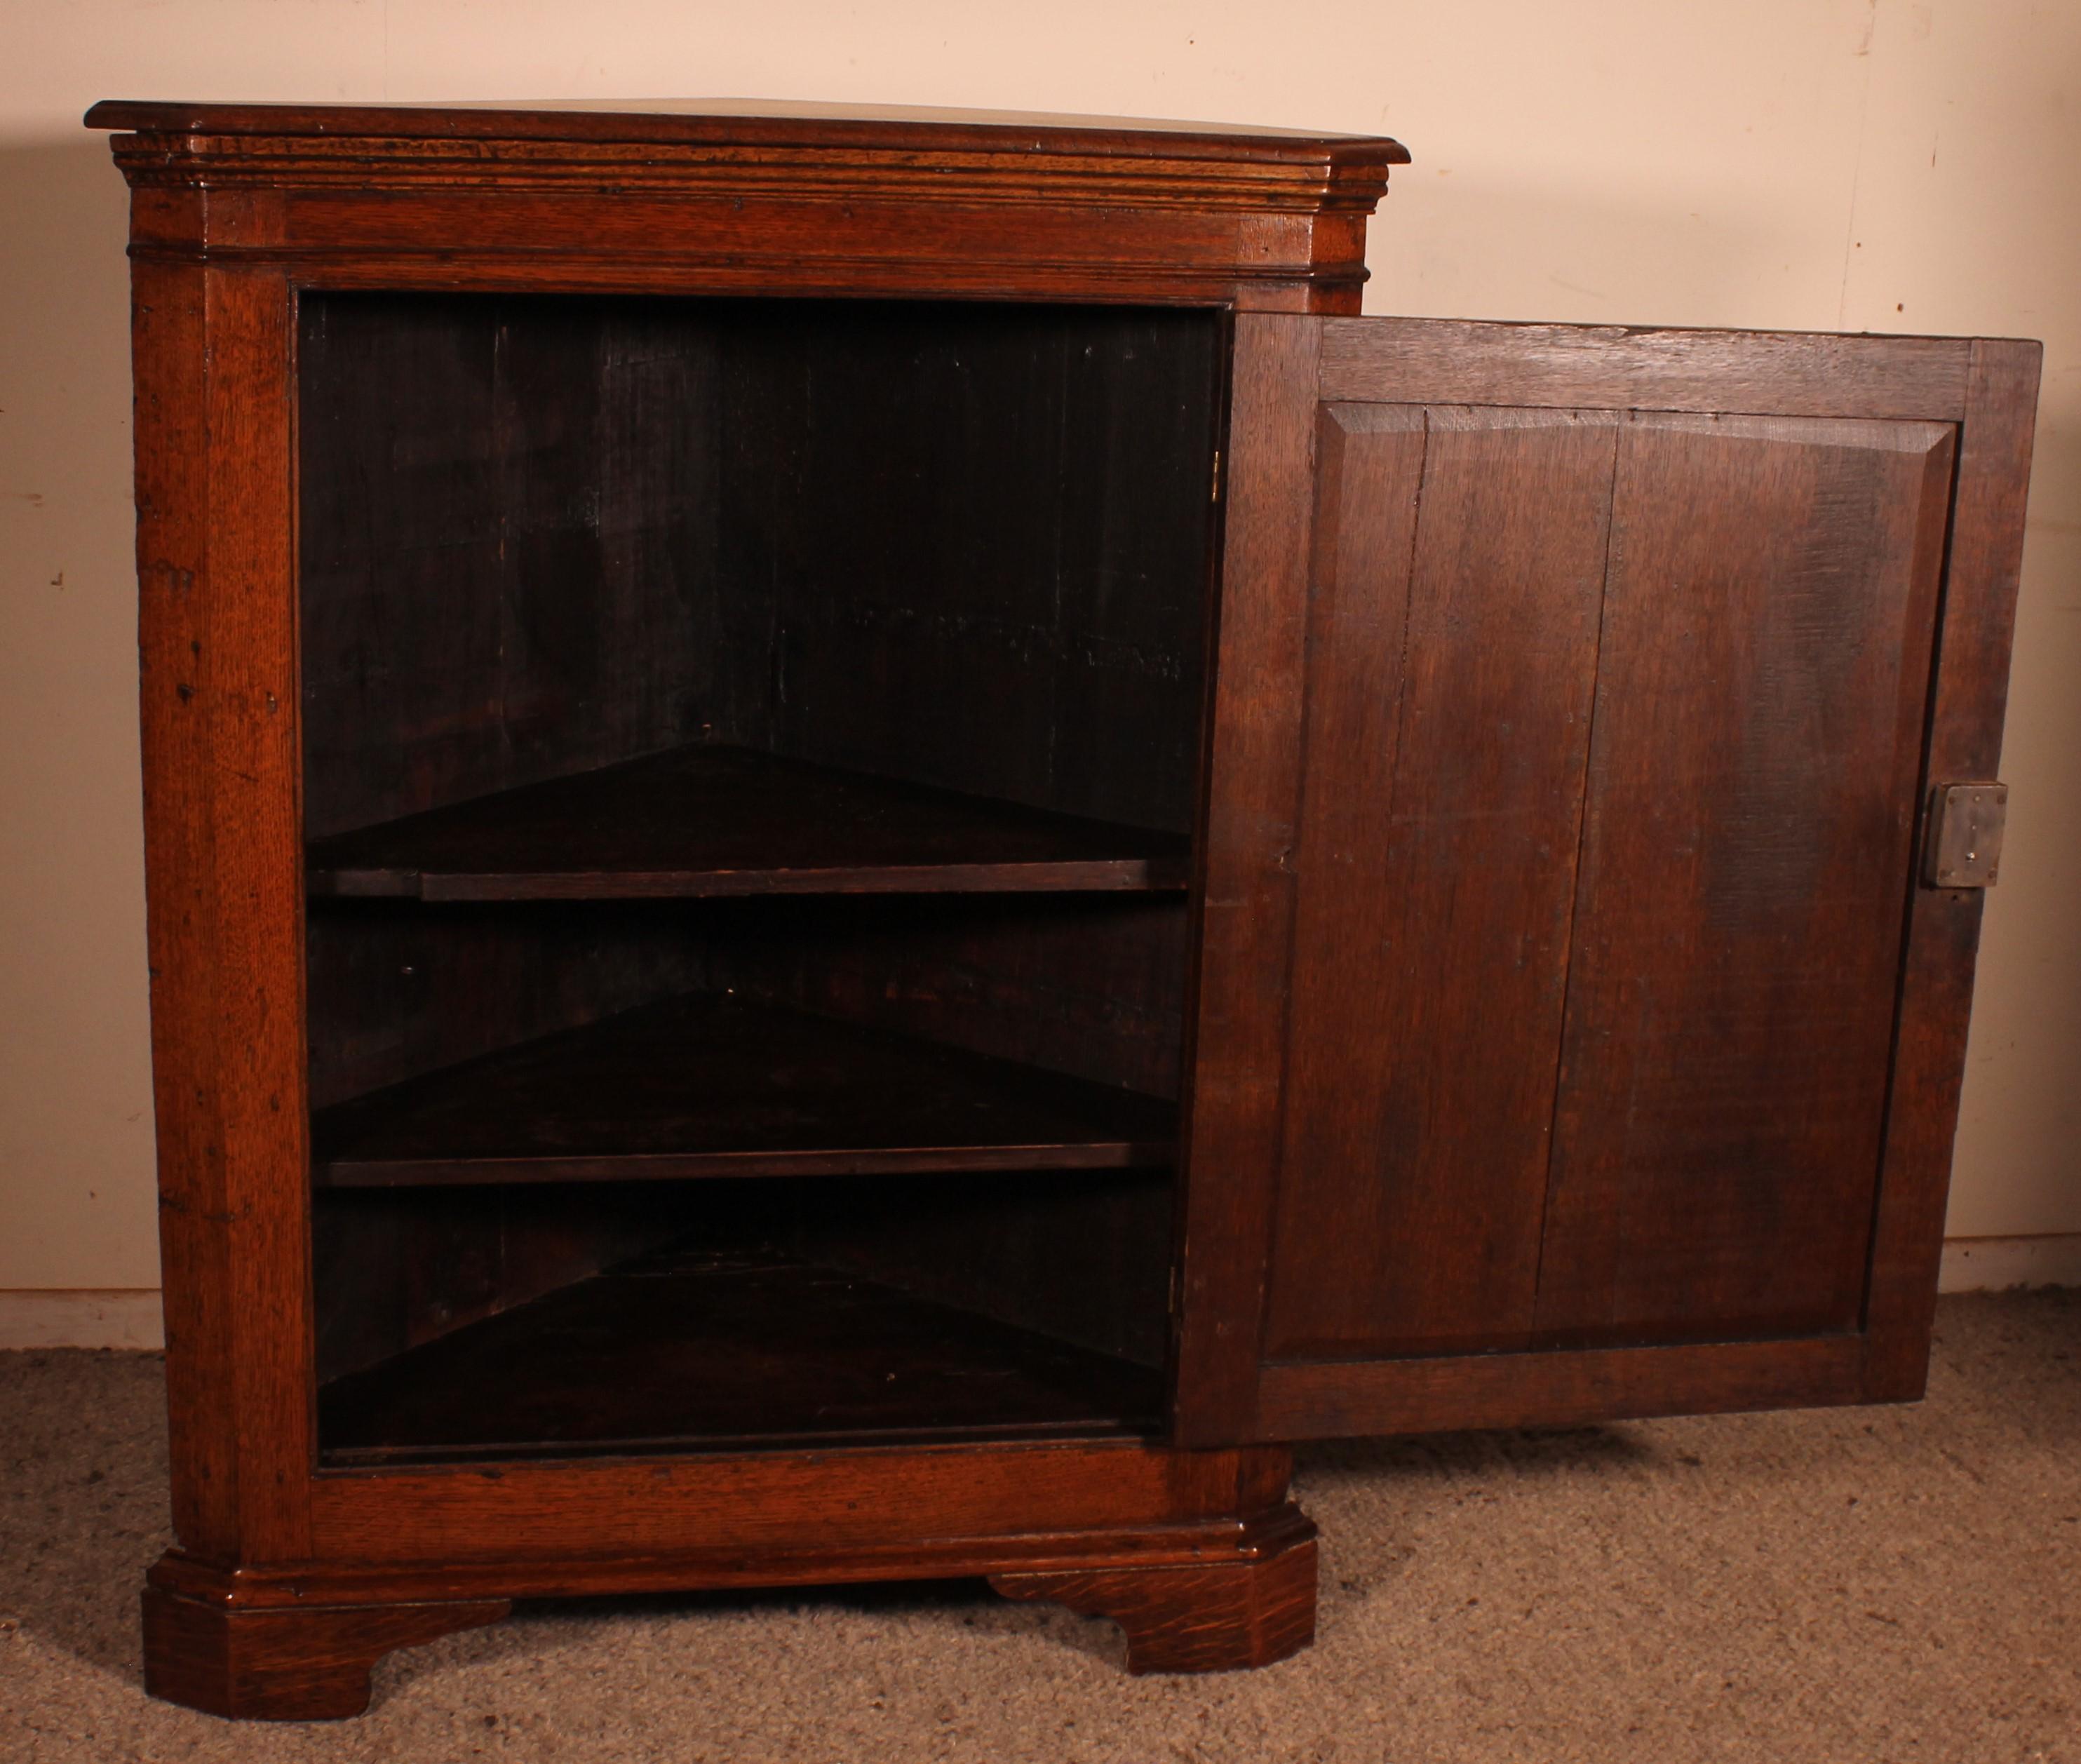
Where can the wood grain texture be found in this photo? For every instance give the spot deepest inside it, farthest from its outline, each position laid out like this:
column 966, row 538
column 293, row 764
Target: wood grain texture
column 967, row 545
column 1004, row 1248
column 1092, row 985
column 216, row 619
column 1452, row 658
column 397, row 988
column 1217, row 1617
column 1734, row 967
column 392, row 1268
column 710, row 122
column 505, row 581
column 170, row 426
column 709, row 821
column 1444, row 1393
column 961, row 545
column 309, row 1664
column 1231, row 1125
column 1567, row 367
column 571, row 261
column 1753, row 777
column 1086, row 985
column 1062, row 209
column 1194, row 1508
column 713, row 1086
column 505, row 544
column 1800, row 727
column 1964, row 740
column 771, row 1504
column 693, row 1349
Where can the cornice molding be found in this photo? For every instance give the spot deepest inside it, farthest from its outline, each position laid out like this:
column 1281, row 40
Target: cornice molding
column 1282, row 185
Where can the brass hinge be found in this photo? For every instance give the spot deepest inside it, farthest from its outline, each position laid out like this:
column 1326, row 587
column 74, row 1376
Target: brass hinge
column 1214, row 495
column 1963, row 849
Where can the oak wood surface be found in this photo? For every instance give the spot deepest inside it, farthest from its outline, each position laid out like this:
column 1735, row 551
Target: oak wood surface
column 963, row 546
column 710, row 1085
column 1569, row 366
column 1753, row 1090
column 958, row 543
column 770, row 1518
column 1231, row 1122
column 1964, row 741
column 1083, row 1256
column 483, row 451
column 1212, row 1617
column 309, row 1664
column 1452, row 649
column 297, row 1642
column 505, row 532
column 723, row 1351
column 704, row 820
column 1438, row 1393
column 762, row 122
column 997, row 208
column 219, row 702
column 394, row 1266
column 1093, row 985
column 241, row 215
column 887, row 1503
column 1748, row 836
column 967, row 546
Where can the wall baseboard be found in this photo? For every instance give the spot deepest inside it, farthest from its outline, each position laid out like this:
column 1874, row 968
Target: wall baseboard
column 1996, row 1264
column 94, row 1318
column 130, row 1317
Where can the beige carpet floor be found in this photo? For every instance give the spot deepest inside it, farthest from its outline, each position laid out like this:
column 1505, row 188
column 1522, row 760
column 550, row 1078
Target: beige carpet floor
column 1900, row 1584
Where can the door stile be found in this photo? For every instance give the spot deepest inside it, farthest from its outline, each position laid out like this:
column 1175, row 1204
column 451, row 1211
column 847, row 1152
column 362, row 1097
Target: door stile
column 1976, row 626
column 1231, row 1137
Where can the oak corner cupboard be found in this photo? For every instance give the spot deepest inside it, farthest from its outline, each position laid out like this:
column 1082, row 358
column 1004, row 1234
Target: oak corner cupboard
column 871, row 852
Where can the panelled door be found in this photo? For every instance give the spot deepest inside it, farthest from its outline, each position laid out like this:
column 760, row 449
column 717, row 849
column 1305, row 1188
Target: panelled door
column 1576, row 1037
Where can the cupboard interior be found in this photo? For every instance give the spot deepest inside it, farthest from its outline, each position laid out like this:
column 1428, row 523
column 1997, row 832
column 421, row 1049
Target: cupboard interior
column 751, row 760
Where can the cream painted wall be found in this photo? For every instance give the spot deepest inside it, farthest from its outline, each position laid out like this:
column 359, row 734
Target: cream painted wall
column 1857, row 164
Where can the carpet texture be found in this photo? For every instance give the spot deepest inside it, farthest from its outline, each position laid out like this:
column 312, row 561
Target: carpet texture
column 1897, row 1584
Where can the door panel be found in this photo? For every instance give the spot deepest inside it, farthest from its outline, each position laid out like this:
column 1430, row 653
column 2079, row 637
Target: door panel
column 1760, row 697
column 1459, row 556
column 1573, row 694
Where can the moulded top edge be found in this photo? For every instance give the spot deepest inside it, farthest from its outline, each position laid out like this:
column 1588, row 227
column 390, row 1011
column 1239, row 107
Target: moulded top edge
column 712, row 121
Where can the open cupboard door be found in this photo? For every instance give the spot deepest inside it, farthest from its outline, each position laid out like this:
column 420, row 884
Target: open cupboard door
column 1582, row 1000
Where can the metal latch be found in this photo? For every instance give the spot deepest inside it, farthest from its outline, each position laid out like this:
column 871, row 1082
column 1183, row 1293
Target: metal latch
column 1965, row 846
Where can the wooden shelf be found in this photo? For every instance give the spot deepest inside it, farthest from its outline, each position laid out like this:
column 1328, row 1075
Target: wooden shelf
column 705, row 820
column 712, row 1085
column 693, row 1351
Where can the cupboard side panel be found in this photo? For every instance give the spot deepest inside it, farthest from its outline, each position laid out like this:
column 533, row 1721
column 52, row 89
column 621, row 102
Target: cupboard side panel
column 1231, row 1128
column 1452, row 658
column 224, row 874
column 171, row 430
column 1751, row 803
column 1944, row 924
